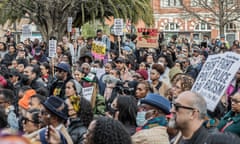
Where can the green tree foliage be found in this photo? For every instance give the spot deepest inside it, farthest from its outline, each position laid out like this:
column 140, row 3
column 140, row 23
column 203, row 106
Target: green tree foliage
column 51, row 15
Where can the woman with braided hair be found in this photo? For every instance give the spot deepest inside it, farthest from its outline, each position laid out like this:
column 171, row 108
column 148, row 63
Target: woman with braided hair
column 106, row 131
column 79, row 111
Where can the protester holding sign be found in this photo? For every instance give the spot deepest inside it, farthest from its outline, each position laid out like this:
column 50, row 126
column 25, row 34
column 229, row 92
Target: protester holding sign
column 103, row 38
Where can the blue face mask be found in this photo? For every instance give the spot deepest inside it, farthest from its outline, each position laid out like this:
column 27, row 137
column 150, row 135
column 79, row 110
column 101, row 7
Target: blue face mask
column 141, row 118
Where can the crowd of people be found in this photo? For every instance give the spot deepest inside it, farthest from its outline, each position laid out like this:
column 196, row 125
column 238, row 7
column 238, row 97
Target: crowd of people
column 132, row 96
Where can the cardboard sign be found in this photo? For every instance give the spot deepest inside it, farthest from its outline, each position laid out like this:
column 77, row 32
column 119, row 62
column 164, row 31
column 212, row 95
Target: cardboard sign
column 118, row 27
column 98, row 50
column 147, row 38
column 69, row 24
column 26, row 31
column 52, row 48
column 215, row 76
column 88, row 92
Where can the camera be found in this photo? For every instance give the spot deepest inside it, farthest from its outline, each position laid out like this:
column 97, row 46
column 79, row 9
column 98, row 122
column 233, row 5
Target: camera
column 123, row 90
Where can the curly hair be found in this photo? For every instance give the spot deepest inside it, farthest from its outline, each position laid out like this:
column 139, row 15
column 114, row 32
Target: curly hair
column 110, row 131
column 127, row 107
column 186, row 81
column 85, row 112
column 159, row 68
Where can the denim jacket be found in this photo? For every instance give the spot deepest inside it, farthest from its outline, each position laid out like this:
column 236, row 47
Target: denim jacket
column 12, row 118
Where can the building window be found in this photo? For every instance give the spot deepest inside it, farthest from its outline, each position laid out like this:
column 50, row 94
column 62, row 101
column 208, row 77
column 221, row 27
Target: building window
column 231, row 27
column 170, row 3
column 197, row 3
column 231, row 2
column 172, row 27
column 202, row 27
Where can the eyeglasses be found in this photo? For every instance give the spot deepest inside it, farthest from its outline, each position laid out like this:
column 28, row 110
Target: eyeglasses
column 26, row 120
column 176, row 106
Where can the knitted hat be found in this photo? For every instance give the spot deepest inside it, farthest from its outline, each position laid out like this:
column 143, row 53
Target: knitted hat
column 173, row 71
column 157, row 101
column 143, row 73
column 24, row 101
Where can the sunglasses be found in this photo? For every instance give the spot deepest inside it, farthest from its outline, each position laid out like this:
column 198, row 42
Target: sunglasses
column 177, row 106
column 26, row 120
column 57, row 70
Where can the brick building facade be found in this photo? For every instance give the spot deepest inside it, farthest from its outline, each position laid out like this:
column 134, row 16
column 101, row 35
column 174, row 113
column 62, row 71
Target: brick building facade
column 171, row 19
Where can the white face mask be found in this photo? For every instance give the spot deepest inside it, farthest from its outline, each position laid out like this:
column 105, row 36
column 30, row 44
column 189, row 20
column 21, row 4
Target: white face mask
column 141, row 118
column 93, row 69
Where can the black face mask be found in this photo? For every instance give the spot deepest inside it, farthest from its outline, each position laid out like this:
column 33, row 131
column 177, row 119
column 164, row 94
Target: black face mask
column 25, row 79
column 112, row 111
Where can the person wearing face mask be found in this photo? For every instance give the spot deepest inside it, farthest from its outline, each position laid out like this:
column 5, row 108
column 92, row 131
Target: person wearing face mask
column 39, row 55
column 152, row 121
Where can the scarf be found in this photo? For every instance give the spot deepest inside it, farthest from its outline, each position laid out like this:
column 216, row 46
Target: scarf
column 157, row 121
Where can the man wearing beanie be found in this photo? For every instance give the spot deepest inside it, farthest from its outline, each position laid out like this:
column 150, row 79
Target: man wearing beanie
column 152, row 121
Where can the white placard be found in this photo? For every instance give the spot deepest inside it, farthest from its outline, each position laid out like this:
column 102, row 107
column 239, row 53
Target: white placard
column 69, row 24
column 88, row 92
column 26, row 31
column 52, row 48
column 215, row 76
column 118, row 27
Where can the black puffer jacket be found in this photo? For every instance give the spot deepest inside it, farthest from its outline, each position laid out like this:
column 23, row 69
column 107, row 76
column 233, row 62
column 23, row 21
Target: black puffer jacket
column 76, row 130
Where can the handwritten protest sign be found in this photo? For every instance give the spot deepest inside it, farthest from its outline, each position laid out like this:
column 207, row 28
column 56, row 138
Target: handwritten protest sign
column 147, row 38
column 98, row 50
column 88, row 92
column 215, row 76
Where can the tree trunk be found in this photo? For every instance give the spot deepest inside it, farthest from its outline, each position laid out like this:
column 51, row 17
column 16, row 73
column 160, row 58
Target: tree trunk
column 57, row 31
column 221, row 29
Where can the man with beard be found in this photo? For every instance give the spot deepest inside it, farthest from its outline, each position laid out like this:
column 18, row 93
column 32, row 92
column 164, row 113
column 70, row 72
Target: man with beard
column 63, row 75
column 152, row 121
column 188, row 112
column 31, row 77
